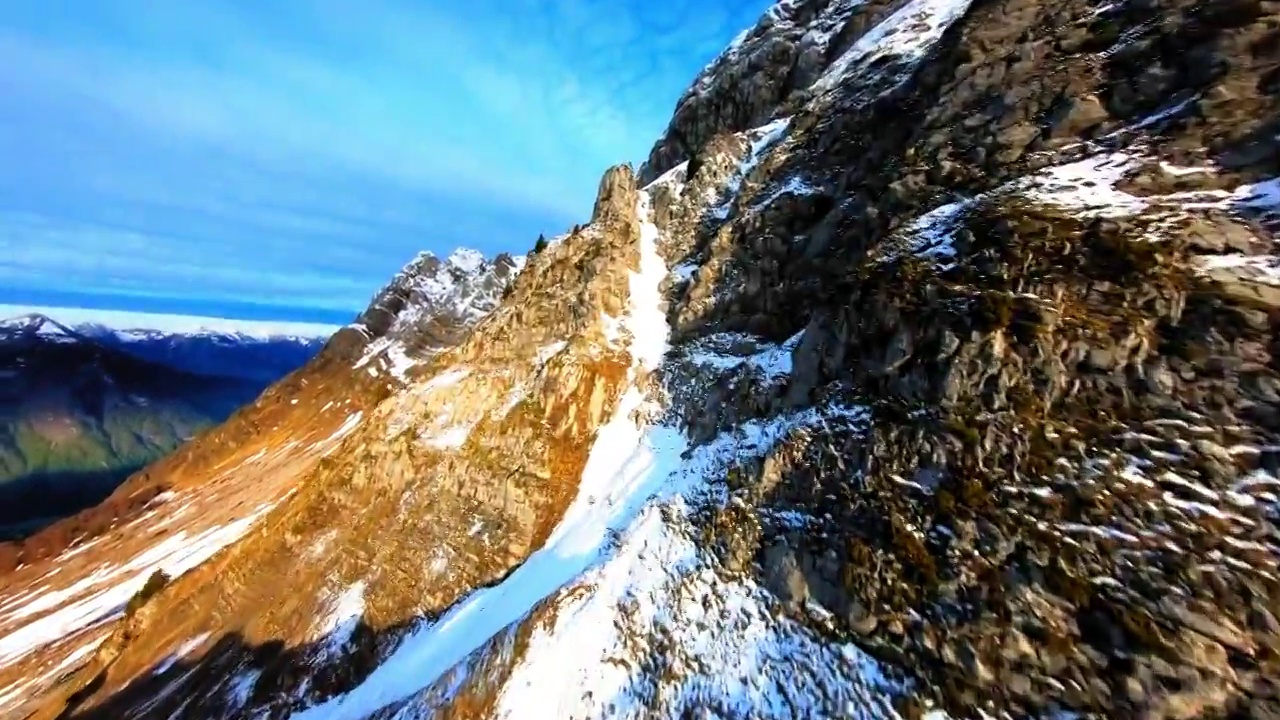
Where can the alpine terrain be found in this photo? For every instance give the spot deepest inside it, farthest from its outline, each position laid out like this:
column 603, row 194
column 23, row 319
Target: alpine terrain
column 926, row 368
column 82, row 407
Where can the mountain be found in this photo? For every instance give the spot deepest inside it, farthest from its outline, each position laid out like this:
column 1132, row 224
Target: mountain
column 253, row 350
column 181, row 509
column 81, row 409
column 260, row 359
column 927, row 368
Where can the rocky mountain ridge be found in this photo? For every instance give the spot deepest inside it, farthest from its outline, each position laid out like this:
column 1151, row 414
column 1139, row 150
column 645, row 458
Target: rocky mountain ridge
column 175, row 514
column 928, row 366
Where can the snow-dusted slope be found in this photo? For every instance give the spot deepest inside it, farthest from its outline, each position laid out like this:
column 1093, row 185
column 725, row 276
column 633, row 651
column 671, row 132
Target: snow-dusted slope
column 67, row 586
column 926, row 366
column 424, row 307
column 623, row 469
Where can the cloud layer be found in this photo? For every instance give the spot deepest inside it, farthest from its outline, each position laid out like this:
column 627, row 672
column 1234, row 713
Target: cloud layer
column 295, row 154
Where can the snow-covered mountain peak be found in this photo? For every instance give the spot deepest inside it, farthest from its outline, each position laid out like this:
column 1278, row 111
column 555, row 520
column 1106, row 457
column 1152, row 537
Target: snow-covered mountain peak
column 430, row 305
column 35, row 324
column 467, row 260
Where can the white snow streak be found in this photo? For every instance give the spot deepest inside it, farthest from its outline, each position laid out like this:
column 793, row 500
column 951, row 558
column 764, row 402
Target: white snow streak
column 621, row 474
column 794, row 185
column 646, row 321
column 763, row 139
column 24, row 690
column 345, row 615
column 445, row 379
column 906, row 34
column 175, row 555
column 183, row 650
column 347, row 426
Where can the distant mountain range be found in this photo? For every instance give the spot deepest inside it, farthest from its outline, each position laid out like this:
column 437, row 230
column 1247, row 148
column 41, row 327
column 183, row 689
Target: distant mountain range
column 83, row 407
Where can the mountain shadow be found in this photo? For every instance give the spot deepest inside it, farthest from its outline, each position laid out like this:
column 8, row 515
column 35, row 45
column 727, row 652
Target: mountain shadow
column 80, row 411
column 30, row 502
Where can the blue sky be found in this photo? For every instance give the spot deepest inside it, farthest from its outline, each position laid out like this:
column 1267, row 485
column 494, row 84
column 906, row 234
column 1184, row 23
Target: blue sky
column 290, row 156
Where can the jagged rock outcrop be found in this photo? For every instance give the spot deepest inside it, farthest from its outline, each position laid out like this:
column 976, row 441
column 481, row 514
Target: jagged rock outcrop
column 928, row 365
column 429, row 305
column 1055, row 381
column 442, row 488
column 76, row 575
column 761, row 70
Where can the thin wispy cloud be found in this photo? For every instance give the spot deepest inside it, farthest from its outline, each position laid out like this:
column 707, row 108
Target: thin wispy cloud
column 297, row 153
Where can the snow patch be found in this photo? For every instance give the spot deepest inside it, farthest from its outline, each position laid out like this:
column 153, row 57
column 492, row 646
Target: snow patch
column 794, row 185
column 241, row 688
column 685, row 270
column 183, row 651
column 1087, row 187
column 932, row 234
column 346, row 612
column 1263, row 195
column 373, row 350
column 398, row 363
column 175, row 555
column 659, row 586
column 1179, row 171
column 773, row 361
column 449, row 439
column 611, row 328
column 673, row 179
column 906, row 34
column 763, row 139
column 776, row 362
column 1263, row 269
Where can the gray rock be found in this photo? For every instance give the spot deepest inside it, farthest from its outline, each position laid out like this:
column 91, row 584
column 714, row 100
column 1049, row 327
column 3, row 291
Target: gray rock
column 783, row 576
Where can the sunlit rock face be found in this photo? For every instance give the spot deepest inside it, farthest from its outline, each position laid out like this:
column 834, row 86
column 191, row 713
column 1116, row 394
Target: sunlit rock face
column 925, row 367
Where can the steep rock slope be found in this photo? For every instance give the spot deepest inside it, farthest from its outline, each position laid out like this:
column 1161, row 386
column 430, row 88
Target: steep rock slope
column 445, row 486
column 927, row 366
column 62, row 587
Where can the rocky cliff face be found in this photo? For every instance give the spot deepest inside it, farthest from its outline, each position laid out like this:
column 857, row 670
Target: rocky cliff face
column 926, row 367
column 428, row 306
